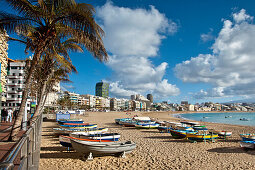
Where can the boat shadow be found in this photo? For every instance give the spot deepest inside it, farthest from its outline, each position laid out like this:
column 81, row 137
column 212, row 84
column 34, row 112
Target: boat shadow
column 64, row 154
column 232, row 150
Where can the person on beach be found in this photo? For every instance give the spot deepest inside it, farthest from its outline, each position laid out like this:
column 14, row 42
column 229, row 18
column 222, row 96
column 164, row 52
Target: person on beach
column 9, row 117
column 3, row 115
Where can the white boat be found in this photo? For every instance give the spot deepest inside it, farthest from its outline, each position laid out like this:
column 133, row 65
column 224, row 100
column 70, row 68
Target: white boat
column 101, row 136
column 247, row 144
column 222, row 133
column 102, row 148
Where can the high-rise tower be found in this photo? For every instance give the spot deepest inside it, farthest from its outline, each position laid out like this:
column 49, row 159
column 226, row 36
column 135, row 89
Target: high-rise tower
column 102, row 89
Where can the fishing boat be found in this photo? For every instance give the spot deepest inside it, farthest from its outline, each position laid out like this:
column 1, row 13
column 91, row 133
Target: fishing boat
column 202, row 137
column 62, row 121
column 117, row 121
column 247, row 144
column 179, row 134
column 150, row 125
column 228, row 116
column 89, row 148
column 248, row 137
column 128, row 123
column 190, row 123
column 66, row 142
column 164, row 129
column 222, row 133
column 244, row 119
column 199, row 127
column 184, row 128
column 67, row 131
column 79, row 126
column 99, row 136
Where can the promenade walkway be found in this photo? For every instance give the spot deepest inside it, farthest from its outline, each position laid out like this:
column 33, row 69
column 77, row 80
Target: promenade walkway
column 5, row 146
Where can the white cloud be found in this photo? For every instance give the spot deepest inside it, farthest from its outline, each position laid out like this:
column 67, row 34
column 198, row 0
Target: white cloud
column 208, row 36
column 133, row 36
column 230, row 67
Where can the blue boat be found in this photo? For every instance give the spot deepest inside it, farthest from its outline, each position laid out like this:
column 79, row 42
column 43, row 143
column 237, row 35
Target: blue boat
column 117, row 121
column 164, row 129
column 248, row 137
column 79, row 126
column 247, row 144
column 70, row 121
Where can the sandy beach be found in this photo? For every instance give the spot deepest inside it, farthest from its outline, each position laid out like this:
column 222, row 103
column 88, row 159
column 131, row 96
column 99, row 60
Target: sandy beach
column 154, row 150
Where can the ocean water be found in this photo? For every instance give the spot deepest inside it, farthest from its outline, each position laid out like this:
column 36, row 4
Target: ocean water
column 223, row 117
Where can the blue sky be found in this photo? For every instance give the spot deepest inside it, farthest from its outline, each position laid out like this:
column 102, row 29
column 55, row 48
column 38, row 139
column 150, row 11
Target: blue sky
column 195, row 50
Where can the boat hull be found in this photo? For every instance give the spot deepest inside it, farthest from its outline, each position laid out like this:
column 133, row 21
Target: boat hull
column 201, row 137
column 180, row 134
column 99, row 148
column 247, row 144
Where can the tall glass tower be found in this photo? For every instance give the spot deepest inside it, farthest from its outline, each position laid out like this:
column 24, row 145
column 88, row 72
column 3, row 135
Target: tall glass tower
column 102, row 89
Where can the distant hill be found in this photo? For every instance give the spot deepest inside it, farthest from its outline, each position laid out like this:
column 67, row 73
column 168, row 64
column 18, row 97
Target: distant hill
column 250, row 100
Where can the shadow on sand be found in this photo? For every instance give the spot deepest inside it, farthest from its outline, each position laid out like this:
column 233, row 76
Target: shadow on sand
column 232, row 150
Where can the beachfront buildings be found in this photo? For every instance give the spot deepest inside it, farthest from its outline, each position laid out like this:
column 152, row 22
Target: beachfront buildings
column 102, row 89
column 3, row 61
column 53, row 97
column 15, row 84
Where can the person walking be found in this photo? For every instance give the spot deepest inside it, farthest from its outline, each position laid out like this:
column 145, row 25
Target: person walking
column 9, row 117
column 3, row 115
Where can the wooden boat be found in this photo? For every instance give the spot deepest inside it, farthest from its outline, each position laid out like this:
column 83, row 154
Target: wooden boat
column 201, row 137
column 101, row 148
column 128, row 123
column 164, row 129
column 222, row 133
column 244, row 119
column 61, row 121
column 247, row 144
column 67, row 131
column 190, row 123
column 179, row 134
column 248, row 137
column 66, row 142
column 117, row 121
column 99, row 136
column 184, row 128
column 146, row 125
column 79, row 126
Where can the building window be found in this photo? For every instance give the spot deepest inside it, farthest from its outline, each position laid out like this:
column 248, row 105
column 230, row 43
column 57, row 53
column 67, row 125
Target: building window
column 18, row 104
column 13, row 67
column 19, row 96
column 20, row 74
column 12, row 89
column 19, row 82
column 10, row 104
column 13, row 104
column 13, row 96
column 13, row 74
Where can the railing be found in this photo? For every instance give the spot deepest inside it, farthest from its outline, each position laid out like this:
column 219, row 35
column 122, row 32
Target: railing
column 28, row 149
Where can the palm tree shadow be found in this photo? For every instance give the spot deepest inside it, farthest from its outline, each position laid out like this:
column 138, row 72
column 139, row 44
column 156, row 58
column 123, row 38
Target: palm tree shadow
column 149, row 131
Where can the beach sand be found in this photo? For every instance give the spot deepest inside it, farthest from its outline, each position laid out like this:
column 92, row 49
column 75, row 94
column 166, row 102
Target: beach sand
column 154, row 150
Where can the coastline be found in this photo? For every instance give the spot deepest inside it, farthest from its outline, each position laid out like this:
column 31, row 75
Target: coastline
column 154, row 150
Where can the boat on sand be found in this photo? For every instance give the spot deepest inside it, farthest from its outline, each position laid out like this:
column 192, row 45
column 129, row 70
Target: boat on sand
column 89, row 148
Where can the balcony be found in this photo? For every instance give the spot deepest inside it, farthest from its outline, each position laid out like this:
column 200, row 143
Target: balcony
column 15, row 77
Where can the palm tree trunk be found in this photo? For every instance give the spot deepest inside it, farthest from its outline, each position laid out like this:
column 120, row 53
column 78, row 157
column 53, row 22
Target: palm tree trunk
column 17, row 123
column 42, row 96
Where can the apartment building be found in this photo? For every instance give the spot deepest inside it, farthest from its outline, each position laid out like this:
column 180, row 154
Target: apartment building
column 15, row 84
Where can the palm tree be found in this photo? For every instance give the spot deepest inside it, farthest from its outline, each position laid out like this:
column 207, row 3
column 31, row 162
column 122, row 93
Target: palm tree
column 42, row 24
